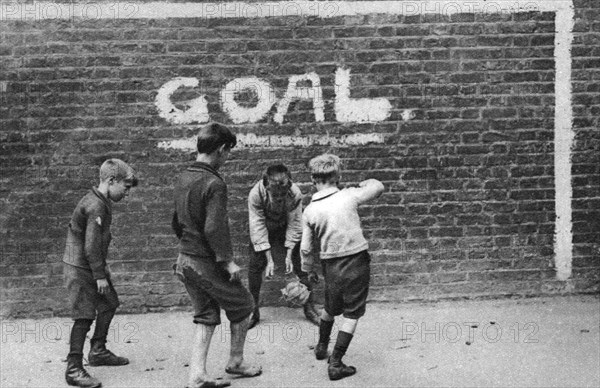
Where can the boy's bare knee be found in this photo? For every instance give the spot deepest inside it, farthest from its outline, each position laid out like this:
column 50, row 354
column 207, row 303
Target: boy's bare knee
column 325, row 316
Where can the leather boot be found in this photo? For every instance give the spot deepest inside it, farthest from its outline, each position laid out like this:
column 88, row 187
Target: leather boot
column 311, row 313
column 100, row 356
column 76, row 375
column 337, row 370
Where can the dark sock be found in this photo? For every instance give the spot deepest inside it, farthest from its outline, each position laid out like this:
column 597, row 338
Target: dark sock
column 325, row 328
column 103, row 321
column 254, row 285
column 304, row 280
column 341, row 345
column 77, row 340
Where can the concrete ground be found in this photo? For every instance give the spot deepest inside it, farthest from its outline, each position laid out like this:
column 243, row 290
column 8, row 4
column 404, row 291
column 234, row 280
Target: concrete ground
column 541, row 342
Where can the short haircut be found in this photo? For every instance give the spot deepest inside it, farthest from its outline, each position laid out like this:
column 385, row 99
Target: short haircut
column 325, row 168
column 118, row 169
column 212, row 136
column 277, row 169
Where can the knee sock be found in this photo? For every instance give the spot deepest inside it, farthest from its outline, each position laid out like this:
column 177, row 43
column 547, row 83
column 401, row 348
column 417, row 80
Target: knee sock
column 325, row 328
column 254, row 284
column 341, row 345
column 103, row 321
column 77, row 340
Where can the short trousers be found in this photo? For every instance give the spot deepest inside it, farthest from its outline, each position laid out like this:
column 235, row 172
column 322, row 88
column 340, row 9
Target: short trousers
column 347, row 284
column 84, row 299
column 209, row 288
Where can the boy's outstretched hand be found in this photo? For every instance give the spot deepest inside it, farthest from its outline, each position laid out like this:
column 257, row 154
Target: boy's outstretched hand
column 103, row 287
column 289, row 265
column 234, row 271
column 270, row 268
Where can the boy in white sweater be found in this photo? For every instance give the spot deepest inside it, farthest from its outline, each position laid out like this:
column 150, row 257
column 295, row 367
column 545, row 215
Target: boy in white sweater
column 331, row 226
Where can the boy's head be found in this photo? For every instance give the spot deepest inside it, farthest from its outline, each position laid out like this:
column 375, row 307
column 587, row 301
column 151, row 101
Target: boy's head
column 277, row 180
column 325, row 169
column 213, row 136
column 118, row 177
column 215, row 140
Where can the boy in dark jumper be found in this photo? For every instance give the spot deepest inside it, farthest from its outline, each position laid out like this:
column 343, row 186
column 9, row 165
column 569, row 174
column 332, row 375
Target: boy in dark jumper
column 87, row 277
column 205, row 264
column 331, row 224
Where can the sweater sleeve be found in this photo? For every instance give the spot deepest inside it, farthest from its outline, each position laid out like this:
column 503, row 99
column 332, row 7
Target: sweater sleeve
column 293, row 232
column 307, row 245
column 367, row 190
column 259, row 235
column 94, row 251
column 216, row 222
column 176, row 226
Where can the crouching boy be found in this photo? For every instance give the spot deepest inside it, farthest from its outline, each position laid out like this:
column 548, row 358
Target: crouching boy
column 275, row 220
column 332, row 225
column 91, row 292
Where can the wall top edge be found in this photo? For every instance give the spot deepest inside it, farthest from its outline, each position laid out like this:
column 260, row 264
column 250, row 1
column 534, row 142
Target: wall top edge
column 50, row 10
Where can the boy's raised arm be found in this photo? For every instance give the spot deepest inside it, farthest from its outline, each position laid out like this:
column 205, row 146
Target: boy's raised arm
column 368, row 189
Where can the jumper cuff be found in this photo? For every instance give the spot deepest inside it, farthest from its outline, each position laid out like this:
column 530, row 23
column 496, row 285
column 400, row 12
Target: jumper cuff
column 221, row 259
column 259, row 247
column 291, row 244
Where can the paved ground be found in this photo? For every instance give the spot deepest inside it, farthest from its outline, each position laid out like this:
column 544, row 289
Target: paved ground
column 545, row 342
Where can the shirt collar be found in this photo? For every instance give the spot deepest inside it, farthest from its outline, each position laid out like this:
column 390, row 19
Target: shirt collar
column 324, row 193
column 102, row 197
column 201, row 166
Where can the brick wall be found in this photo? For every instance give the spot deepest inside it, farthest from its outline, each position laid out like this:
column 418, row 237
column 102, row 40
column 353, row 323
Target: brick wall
column 469, row 204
